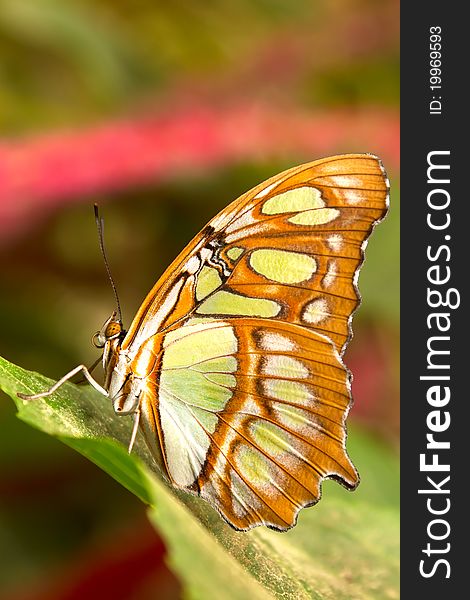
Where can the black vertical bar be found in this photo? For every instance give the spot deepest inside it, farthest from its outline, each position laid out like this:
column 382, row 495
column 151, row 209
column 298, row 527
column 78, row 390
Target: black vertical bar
column 435, row 261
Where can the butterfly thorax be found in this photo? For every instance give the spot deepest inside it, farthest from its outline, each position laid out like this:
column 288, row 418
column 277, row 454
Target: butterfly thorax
column 129, row 375
column 119, row 380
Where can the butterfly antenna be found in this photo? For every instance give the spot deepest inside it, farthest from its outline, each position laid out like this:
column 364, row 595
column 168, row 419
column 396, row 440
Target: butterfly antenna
column 100, row 225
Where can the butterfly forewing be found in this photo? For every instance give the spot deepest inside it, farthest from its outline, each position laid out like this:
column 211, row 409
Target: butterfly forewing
column 244, row 394
column 288, row 249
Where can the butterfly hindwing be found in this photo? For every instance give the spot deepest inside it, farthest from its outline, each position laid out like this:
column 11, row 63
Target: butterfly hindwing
column 250, row 414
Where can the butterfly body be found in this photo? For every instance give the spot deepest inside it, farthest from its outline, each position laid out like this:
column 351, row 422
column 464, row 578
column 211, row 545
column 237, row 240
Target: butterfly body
column 233, row 361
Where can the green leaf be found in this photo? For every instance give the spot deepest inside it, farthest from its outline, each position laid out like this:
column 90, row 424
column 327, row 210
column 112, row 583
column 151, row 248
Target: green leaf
column 345, row 548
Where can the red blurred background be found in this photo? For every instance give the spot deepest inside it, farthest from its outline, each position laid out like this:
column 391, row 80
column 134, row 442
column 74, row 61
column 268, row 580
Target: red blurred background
column 162, row 114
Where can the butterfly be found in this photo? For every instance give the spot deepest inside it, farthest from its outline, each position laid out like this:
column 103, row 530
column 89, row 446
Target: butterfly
column 232, row 365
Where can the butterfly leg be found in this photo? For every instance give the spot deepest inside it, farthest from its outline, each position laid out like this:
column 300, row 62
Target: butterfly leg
column 66, row 377
column 134, row 429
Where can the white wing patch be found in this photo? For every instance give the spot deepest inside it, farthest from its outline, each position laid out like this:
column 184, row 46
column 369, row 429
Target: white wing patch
column 335, row 242
column 316, row 311
column 280, row 365
column 330, row 275
column 276, row 342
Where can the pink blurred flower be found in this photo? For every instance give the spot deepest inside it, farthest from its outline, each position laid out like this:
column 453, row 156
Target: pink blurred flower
column 39, row 173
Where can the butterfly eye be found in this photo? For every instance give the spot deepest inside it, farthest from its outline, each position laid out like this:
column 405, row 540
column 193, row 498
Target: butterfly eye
column 112, row 330
column 98, row 340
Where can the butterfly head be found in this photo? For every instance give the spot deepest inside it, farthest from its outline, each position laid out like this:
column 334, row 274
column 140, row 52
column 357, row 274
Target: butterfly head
column 111, row 330
column 109, row 337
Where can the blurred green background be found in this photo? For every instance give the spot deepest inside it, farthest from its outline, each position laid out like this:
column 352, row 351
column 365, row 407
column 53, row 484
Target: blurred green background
column 162, row 113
